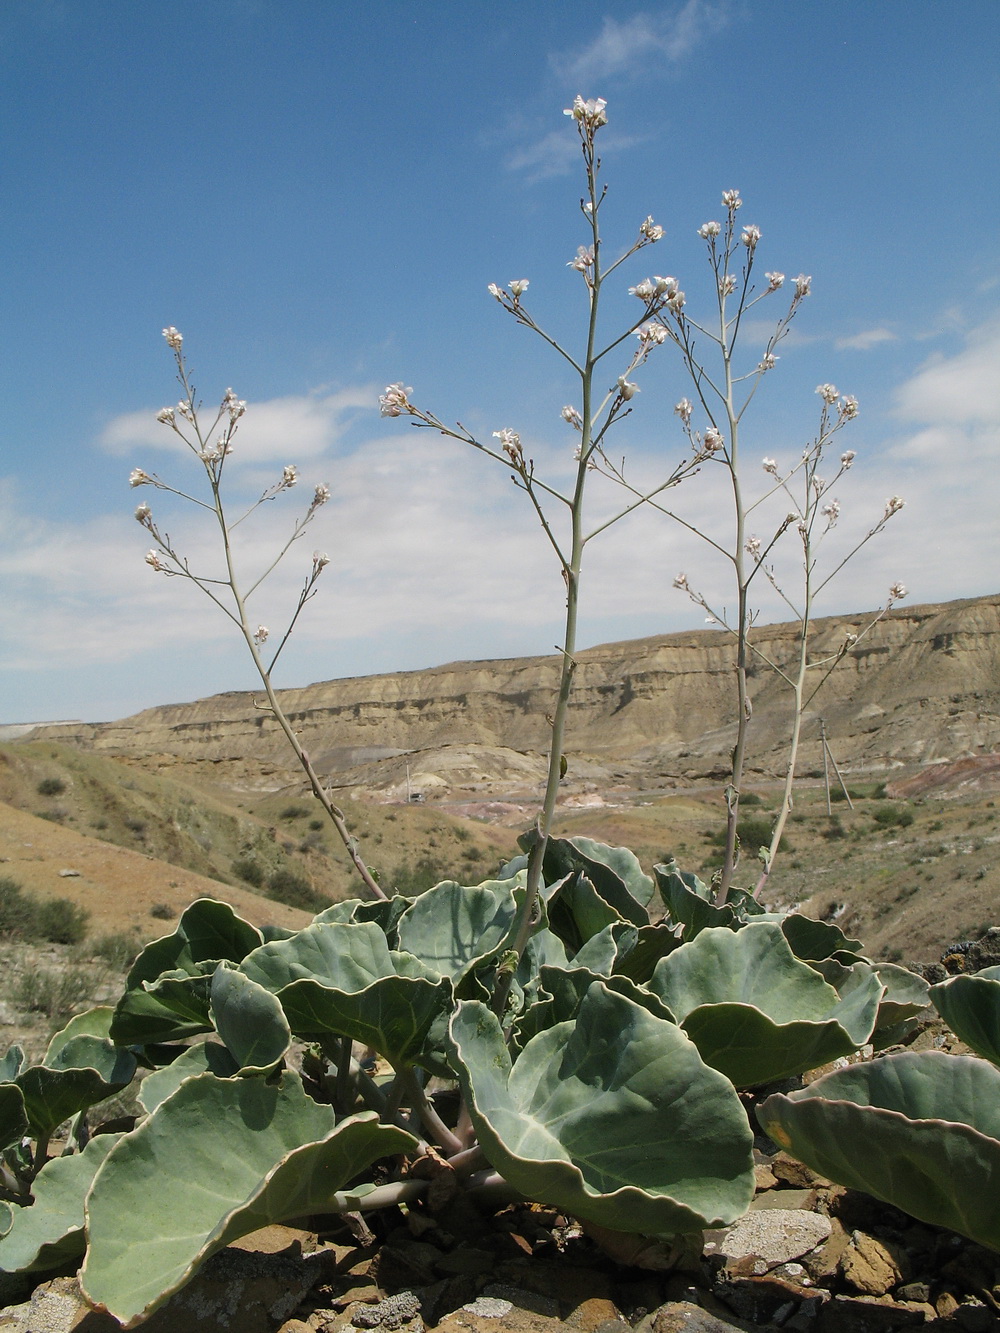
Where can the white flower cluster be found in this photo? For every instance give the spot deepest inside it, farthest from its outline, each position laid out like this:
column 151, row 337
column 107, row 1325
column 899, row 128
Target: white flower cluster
column 155, row 559
column 320, row 496
column 395, row 401
column 651, row 335
column 897, row 592
column 769, row 465
column 767, row 362
column 589, row 114
column 165, row 416
column 892, row 506
column 774, row 281
column 510, row 442
column 712, row 441
column 173, row 338
column 139, row 478
column 709, row 230
column 626, row 388
column 727, row 285
column 831, row 512
column 731, row 200
column 649, row 230
column 289, row 476
column 846, row 459
column 572, row 416
column 584, row 260
column 683, row 410
column 260, row 637
column 517, row 288
column 234, row 406
column 803, row 285
column 751, row 235
column 681, row 582
column 828, row 392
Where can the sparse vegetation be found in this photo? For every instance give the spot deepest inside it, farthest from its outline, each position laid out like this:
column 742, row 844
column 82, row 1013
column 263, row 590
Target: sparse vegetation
column 51, row 787
column 31, row 918
column 162, row 912
column 285, row 886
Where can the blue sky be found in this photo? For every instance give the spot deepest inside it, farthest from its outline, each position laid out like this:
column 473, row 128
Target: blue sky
column 318, row 194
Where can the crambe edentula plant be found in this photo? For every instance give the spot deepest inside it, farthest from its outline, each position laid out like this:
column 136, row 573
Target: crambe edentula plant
column 212, row 444
column 562, row 514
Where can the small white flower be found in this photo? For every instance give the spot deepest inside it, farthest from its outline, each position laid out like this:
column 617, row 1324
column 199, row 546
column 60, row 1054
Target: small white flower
column 320, row 495
column 846, row 459
column 818, row 485
column 173, row 338
column 897, row 592
column 713, row 441
column 709, row 230
column 289, row 476
column 165, row 416
column 828, row 392
column 143, row 514
column 588, row 206
column 395, row 401
column 185, row 409
column 751, row 235
column 155, row 560
column 769, row 465
column 590, row 114
column 494, row 290
column 584, row 260
column 233, row 405
column 892, row 506
column 510, row 442
column 768, row 362
column 517, row 288
column 774, row 281
column 260, row 636
column 320, row 560
column 139, row 478
column 727, row 285
column 802, row 285
column 651, row 335
column 683, row 409
column 681, row 581
column 570, row 414
column 831, row 512
column 651, row 231
column 645, row 290
column 753, row 547
column 731, row 200
column 848, row 407
column 626, row 388
column 850, row 640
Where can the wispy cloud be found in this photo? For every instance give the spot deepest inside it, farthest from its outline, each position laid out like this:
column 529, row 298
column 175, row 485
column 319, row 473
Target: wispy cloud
column 626, row 46
column 864, row 341
column 299, row 426
column 558, row 154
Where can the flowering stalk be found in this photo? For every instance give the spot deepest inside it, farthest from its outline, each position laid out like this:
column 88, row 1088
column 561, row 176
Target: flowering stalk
column 592, row 421
column 166, row 560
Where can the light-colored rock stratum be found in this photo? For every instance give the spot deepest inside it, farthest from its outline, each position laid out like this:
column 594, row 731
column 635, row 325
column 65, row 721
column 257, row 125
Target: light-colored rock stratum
column 922, row 687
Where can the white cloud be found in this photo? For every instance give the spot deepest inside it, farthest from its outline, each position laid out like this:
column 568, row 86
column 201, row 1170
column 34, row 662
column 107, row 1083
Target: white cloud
column 862, row 342
column 958, row 391
column 627, row 46
column 299, row 426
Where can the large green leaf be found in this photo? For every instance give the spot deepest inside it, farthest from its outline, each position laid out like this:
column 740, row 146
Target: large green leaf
column 455, row 929
column 757, row 1013
column 651, row 944
column 562, row 991
column 576, row 911
column 906, row 995
column 601, row 951
column 250, row 1021
column 612, row 1117
column 83, row 1070
column 919, row 1130
column 13, row 1117
column 218, row 1159
column 206, row 1057
column 615, row 873
column 208, row 931
column 50, row 1232
column 689, row 902
column 11, row 1063
column 343, row 979
column 970, row 1005
column 385, row 914
column 812, row 940
column 92, row 1023
column 169, row 1009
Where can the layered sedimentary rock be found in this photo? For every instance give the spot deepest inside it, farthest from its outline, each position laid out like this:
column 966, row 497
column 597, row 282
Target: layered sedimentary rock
column 922, row 686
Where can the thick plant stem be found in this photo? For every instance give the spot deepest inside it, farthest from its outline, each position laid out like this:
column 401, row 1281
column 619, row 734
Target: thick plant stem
column 742, row 628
